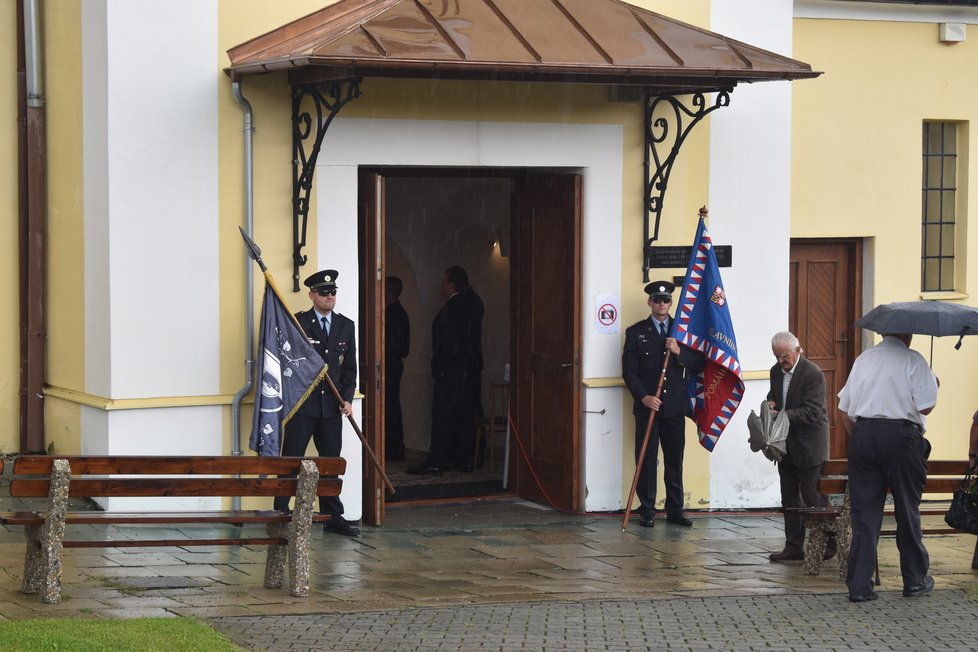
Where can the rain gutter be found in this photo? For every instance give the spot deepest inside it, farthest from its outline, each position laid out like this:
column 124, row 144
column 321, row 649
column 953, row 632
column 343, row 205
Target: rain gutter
column 32, row 200
column 249, row 220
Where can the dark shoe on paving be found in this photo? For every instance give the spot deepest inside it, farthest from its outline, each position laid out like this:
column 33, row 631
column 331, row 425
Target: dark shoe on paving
column 864, row 597
column 339, row 525
column 646, row 520
column 425, row 469
column 679, row 519
column 786, row 555
column 830, row 552
column 919, row 589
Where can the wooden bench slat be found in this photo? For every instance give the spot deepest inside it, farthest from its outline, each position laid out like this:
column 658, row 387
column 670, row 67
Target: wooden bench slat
column 130, row 518
column 160, row 543
column 169, row 487
column 176, row 465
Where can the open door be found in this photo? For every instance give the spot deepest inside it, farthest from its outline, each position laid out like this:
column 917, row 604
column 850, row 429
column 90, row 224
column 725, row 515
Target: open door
column 546, row 336
column 371, row 329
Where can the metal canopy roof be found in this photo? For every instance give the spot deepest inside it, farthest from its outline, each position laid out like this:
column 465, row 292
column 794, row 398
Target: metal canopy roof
column 582, row 41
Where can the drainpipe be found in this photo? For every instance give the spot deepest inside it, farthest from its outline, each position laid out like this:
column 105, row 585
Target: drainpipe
column 32, row 143
column 249, row 218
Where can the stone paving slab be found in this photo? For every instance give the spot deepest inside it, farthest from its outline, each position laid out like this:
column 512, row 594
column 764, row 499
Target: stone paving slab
column 943, row 620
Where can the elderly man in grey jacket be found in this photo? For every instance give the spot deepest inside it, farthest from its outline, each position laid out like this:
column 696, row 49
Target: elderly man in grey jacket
column 798, row 388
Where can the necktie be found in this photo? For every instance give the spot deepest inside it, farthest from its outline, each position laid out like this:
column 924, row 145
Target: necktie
column 662, row 329
column 325, row 325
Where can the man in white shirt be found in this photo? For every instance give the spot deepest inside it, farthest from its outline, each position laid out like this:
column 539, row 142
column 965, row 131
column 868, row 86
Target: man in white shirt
column 889, row 390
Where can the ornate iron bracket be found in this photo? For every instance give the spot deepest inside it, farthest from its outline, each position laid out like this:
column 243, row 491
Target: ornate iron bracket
column 664, row 136
column 307, row 138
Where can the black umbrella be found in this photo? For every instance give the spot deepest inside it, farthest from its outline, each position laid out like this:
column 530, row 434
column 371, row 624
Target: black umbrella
column 934, row 318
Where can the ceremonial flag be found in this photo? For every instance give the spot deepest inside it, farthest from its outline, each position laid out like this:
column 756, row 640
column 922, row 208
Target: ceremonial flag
column 289, row 368
column 703, row 323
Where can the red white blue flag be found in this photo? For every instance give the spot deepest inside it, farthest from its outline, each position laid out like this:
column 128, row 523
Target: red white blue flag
column 703, row 323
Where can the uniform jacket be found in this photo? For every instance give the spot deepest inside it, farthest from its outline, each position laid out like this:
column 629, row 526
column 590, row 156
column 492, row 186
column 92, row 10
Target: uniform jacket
column 456, row 336
column 808, row 430
column 641, row 367
column 339, row 351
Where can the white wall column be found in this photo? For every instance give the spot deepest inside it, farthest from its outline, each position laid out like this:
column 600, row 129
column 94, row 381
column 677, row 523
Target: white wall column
column 750, row 193
column 151, row 241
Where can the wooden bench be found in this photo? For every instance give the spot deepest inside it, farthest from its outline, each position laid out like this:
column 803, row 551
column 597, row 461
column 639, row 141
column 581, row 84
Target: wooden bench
column 943, row 477
column 58, row 478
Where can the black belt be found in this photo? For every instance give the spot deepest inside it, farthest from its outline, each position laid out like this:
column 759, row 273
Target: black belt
column 903, row 422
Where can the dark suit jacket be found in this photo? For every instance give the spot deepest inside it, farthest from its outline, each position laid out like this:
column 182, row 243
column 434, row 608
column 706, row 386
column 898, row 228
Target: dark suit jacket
column 397, row 332
column 456, row 337
column 339, row 351
column 808, row 432
column 641, row 367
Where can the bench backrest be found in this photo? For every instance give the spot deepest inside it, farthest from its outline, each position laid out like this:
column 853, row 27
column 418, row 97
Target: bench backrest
column 173, row 476
column 943, row 476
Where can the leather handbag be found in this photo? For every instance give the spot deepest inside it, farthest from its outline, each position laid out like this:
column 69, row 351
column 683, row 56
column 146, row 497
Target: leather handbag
column 963, row 513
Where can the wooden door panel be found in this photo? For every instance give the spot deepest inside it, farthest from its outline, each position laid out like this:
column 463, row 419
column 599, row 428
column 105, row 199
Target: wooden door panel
column 371, row 334
column 825, row 286
column 546, row 342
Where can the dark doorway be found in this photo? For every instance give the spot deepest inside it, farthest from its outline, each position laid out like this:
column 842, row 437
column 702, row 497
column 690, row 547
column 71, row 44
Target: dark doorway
column 517, row 235
column 825, row 288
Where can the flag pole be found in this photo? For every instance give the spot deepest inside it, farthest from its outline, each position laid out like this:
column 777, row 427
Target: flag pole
column 256, row 254
column 645, row 444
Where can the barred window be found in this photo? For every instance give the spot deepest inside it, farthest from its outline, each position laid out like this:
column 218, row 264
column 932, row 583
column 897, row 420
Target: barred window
column 939, row 200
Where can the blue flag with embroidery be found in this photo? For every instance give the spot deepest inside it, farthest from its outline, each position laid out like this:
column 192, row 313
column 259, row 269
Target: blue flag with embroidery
column 289, row 368
column 703, row 323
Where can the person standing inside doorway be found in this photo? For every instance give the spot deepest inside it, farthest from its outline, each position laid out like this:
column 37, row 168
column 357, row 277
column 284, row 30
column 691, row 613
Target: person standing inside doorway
column 397, row 345
column 456, row 368
column 646, row 343
column 320, row 417
column 798, row 389
column 885, row 399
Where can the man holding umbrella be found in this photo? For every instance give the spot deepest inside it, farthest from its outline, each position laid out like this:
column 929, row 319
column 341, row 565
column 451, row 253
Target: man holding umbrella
column 889, row 391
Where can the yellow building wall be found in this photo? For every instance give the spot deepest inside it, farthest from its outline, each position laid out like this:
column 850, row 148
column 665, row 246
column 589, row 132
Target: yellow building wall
column 9, row 267
column 856, row 172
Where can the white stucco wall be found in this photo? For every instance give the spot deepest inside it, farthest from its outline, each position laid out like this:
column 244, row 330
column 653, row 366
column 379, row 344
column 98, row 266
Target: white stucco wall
column 750, row 186
column 594, row 149
column 151, row 240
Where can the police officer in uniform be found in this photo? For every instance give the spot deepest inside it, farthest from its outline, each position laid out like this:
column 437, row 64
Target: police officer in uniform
column 641, row 362
column 320, row 417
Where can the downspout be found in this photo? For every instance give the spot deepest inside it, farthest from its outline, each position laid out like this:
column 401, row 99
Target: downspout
column 249, row 218
column 32, row 142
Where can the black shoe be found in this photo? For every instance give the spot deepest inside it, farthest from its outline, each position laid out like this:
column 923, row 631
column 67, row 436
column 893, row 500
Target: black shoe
column 425, row 469
column 647, row 520
column 786, row 555
column 830, row 552
column 865, row 597
column 679, row 519
column 919, row 589
column 339, row 525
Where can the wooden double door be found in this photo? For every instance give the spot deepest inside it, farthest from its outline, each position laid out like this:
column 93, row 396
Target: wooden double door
column 825, row 288
column 544, row 331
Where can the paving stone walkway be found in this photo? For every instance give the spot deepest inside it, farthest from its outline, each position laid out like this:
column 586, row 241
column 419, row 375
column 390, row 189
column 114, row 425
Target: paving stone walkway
column 943, row 620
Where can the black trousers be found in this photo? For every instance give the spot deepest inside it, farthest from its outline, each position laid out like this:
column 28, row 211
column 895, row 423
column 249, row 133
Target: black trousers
column 799, row 488
column 455, row 407
column 885, row 455
column 670, row 434
column 393, row 419
column 327, row 434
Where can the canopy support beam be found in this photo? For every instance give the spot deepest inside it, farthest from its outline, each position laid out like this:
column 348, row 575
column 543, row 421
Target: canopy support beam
column 665, row 133
column 326, row 98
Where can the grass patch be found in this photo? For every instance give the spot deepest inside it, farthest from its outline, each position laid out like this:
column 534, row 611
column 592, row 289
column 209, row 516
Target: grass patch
column 87, row 635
